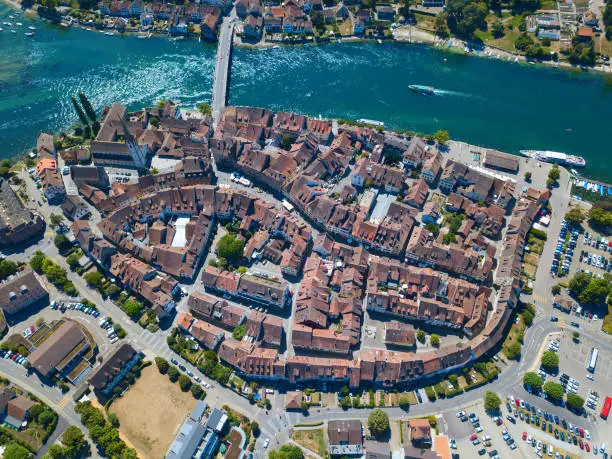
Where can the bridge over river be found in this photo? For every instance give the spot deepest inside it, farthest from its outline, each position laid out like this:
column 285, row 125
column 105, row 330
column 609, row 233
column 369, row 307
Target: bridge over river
column 222, row 65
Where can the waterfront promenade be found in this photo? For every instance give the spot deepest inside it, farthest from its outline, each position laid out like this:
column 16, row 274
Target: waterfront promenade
column 222, row 64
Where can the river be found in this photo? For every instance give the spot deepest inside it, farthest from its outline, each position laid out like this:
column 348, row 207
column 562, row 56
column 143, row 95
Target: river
column 481, row 101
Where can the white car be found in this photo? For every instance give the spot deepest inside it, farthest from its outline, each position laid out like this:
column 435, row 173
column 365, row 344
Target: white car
column 587, row 434
column 266, row 443
column 460, row 414
column 590, row 376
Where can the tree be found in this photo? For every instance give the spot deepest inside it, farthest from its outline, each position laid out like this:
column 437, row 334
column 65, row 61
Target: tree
column 574, row 217
column 132, row 308
column 556, row 289
column 550, row 360
column 184, row 382
column 61, row 242
column 378, row 422
column 36, row 261
column 596, row 292
column 345, row 402
column 492, row 401
column 440, row 26
column 113, row 419
column 598, row 217
column 514, row 350
column 404, row 401
column 498, row 29
column 36, row 410
column 197, row 391
column 576, row 336
column 554, row 173
column 528, row 317
column 91, row 113
column 465, row 16
column 533, row 380
column 421, row 336
column 74, row 441
column 93, row 278
column 231, row 248
column 528, row 177
column 523, row 41
column 239, row 332
column 318, row 20
column 433, row 228
column 441, row 136
column 579, row 282
column 205, row 109
column 16, row 451
column 575, row 402
column 162, row 365
column 73, row 260
column 434, row 340
column 7, row 268
column 287, row 452
column 553, row 390
column 46, row 418
column 173, row 373
column 79, row 111
column 286, row 141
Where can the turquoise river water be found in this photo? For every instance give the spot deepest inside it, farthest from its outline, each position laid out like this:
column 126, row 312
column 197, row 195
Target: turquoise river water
column 481, row 101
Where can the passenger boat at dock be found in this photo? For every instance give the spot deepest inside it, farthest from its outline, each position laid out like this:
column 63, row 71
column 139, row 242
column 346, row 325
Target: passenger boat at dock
column 554, row 157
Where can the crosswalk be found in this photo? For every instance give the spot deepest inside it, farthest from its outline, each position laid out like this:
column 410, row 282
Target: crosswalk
column 278, row 422
column 156, row 342
column 543, row 299
column 63, row 402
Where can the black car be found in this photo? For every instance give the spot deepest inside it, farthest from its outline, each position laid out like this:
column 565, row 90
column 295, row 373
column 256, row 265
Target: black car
column 182, row 367
column 482, row 452
column 511, row 419
column 575, row 324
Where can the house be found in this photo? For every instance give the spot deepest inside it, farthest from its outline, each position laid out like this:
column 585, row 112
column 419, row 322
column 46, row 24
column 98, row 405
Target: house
column 74, row 208
column 359, row 26
column 91, row 175
column 114, row 368
column 52, row 185
column 345, row 438
column 399, row 334
column 589, row 18
column 293, row 400
column 585, row 33
column 252, row 27
column 385, row 13
column 501, row 161
column 194, row 436
column 273, row 24
column 14, row 408
column 23, row 291
column 59, row 352
column 417, row 194
column 17, row 222
column 420, row 432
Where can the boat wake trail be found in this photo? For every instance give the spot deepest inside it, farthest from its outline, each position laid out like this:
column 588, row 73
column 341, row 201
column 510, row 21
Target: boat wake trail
column 444, row 92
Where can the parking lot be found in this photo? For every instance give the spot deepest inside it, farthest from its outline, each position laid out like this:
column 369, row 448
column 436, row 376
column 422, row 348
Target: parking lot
column 522, row 428
column 573, row 372
column 580, row 250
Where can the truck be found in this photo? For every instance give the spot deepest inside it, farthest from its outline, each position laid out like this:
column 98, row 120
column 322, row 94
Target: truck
column 605, row 411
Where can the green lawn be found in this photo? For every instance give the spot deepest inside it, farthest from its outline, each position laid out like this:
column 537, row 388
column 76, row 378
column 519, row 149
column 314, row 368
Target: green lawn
column 312, row 439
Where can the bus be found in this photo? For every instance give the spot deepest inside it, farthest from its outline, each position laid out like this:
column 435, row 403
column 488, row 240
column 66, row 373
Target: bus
column 593, row 360
column 606, row 408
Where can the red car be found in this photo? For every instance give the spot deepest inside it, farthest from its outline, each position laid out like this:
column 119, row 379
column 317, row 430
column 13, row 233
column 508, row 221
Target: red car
column 473, row 437
column 581, row 444
column 14, row 357
column 499, row 422
column 588, row 448
column 581, row 433
column 518, row 402
column 524, row 436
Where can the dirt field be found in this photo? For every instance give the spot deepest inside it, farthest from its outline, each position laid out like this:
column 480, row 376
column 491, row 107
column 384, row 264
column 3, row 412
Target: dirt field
column 151, row 412
column 313, row 439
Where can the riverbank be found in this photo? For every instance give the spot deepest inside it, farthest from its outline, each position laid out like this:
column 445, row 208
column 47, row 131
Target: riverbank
column 403, row 34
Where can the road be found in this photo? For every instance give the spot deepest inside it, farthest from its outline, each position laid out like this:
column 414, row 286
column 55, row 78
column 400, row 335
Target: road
column 222, row 67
